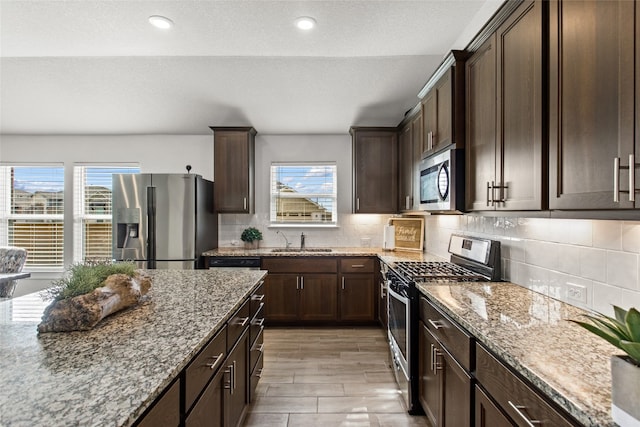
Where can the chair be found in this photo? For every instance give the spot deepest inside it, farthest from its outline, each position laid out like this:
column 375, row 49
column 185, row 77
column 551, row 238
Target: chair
column 12, row 260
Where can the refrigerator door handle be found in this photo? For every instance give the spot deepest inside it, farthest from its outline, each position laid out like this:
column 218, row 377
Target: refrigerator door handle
column 151, row 218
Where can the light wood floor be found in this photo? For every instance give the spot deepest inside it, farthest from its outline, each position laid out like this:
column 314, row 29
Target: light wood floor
column 327, row 377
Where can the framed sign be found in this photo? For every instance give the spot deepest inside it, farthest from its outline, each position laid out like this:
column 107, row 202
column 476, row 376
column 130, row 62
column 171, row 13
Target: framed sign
column 409, row 233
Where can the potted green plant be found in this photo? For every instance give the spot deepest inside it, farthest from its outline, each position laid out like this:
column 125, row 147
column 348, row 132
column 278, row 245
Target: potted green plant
column 251, row 237
column 623, row 331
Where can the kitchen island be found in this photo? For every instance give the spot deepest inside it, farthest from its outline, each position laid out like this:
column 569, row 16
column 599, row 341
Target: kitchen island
column 111, row 374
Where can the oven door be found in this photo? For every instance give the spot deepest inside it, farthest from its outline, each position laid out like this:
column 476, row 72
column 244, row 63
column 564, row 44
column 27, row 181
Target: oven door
column 399, row 325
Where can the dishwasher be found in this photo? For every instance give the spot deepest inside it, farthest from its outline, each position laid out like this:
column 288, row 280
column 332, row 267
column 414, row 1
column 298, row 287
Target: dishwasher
column 219, row 261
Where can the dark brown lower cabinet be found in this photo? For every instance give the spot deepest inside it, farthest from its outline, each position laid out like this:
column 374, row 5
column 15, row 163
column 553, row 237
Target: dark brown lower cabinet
column 209, row 410
column 236, row 369
column 487, row 414
column 356, row 297
column 431, row 383
column 166, row 410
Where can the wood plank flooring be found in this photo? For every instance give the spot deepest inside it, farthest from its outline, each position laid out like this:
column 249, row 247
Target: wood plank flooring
column 327, row 377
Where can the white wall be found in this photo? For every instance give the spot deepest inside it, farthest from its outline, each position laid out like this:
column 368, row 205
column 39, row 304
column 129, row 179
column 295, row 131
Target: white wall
column 154, row 153
column 287, row 148
column 550, row 255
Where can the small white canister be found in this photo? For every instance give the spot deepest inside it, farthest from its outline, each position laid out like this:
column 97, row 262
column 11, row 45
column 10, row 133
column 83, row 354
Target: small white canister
column 389, row 238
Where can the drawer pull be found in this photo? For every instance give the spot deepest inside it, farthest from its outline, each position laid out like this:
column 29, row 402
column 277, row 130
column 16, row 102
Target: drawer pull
column 259, row 373
column 216, row 359
column 436, row 324
column 260, row 348
column 343, row 283
column 231, row 370
column 357, row 266
column 258, row 322
column 257, row 297
column 244, row 322
column 518, row 409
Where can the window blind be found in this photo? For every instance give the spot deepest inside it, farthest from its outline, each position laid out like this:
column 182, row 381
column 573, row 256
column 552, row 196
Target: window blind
column 303, row 193
column 31, row 212
column 93, row 210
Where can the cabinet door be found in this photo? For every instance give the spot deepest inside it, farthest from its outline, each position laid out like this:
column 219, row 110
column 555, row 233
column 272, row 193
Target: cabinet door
column 209, row 409
column 406, row 167
column 281, row 297
column 234, row 170
column 457, row 388
column 429, row 119
column 444, row 109
column 591, row 109
column 357, row 297
column 375, row 169
column 165, row 411
column 481, row 126
column 418, row 151
column 430, row 383
column 487, row 413
column 236, row 369
column 519, row 163
column 382, row 302
column 318, row 297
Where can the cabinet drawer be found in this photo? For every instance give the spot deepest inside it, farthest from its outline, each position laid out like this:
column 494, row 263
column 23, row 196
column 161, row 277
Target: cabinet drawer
column 257, row 299
column 256, row 351
column 165, row 411
column 257, row 324
column 457, row 341
column 296, row 265
column 516, row 398
column 204, row 366
column 237, row 324
column 357, row 265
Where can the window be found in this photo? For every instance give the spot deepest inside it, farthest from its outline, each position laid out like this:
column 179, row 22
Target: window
column 304, row 193
column 92, row 210
column 31, row 212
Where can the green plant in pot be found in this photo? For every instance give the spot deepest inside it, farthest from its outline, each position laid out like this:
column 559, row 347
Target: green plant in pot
column 623, row 331
column 251, row 237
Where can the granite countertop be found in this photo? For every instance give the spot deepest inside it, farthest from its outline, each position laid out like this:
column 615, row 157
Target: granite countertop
column 392, row 256
column 111, row 374
column 531, row 333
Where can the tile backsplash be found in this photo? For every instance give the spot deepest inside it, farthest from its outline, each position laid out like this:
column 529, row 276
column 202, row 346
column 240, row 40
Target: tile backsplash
column 588, row 263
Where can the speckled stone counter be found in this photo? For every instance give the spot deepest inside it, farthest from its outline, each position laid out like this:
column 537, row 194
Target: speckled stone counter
column 529, row 331
column 387, row 256
column 111, row 374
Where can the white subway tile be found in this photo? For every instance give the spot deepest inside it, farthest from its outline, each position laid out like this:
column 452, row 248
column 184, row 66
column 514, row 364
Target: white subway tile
column 542, row 254
column 593, row 264
column 631, row 236
column 534, row 278
column 622, row 269
column 605, row 297
column 581, row 232
column 630, row 299
column 607, row 235
column 569, row 259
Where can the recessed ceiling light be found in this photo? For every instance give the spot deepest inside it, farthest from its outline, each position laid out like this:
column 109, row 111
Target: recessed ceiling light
column 160, row 22
column 305, row 22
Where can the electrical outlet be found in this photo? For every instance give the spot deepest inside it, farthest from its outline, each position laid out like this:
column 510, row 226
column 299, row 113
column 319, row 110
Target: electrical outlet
column 577, row 293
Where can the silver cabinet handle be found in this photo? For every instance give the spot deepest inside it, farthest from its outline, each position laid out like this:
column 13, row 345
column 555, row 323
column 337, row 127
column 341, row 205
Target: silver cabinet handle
column 298, row 283
column 357, row 265
column 216, row 360
column 259, row 373
column 244, row 321
column 357, row 204
column 231, row 370
column 493, row 193
column 527, row 421
column 258, row 322
column 257, row 297
column 632, row 178
column 407, row 202
column 436, row 324
column 488, row 196
column 244, row 203
column 343, row 283
column 382, row 290
column 301, row 282
column 616, row 179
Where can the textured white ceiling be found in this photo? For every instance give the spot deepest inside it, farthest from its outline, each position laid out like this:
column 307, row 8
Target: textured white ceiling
column 98, row 67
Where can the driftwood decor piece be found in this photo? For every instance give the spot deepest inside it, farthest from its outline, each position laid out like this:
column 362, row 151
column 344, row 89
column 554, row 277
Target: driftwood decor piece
column 72, row 312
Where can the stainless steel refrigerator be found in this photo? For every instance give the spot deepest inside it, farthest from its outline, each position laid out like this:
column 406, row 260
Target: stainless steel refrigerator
column 163, row 221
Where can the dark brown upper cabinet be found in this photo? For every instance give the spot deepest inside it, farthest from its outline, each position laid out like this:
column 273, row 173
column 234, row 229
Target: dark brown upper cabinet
column 443, row 106
column 375, row 169
column 410, row 153
column 592, row 101
column 506, row 143
column 234, row 169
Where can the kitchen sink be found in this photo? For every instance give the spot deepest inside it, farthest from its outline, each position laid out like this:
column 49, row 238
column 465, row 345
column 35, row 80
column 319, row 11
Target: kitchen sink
column 301, row 250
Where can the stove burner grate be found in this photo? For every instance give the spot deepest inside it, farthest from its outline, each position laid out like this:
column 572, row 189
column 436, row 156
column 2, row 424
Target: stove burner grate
column 436, row 270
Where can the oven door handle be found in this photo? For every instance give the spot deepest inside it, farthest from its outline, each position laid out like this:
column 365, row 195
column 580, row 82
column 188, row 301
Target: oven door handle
column 397, row 296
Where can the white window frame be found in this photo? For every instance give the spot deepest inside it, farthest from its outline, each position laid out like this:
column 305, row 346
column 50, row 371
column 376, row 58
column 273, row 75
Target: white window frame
column 79, row 208
column 275, row 195
column 6, row 215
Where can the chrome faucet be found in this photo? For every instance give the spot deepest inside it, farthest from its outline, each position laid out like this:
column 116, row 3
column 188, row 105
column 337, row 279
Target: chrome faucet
column 302, row 241
column 287, row 244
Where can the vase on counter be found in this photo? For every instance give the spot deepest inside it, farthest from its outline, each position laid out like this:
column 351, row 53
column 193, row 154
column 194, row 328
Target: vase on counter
column 625, row 391
column 252, row 245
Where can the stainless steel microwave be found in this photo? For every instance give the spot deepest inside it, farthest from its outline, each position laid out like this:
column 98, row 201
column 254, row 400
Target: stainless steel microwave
column 442, row 182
